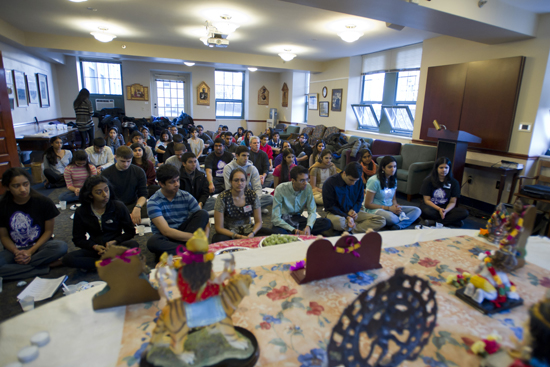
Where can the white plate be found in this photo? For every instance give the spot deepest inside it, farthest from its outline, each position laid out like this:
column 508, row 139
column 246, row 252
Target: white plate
column 298, row 239
column 231, row 249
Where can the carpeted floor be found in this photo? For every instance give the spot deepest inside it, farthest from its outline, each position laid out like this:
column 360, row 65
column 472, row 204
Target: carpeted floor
column 9, row 306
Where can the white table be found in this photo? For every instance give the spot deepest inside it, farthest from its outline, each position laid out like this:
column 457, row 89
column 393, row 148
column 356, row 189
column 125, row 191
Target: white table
column 96, row 339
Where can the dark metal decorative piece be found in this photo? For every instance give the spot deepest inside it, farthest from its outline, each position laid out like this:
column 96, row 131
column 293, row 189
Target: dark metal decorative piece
column 391, row 322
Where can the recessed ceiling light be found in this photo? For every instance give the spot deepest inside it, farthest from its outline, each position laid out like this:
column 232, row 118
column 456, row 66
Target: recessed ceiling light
column 253, row 69
column 123, row 46
column 189, row 63
column 77, row 1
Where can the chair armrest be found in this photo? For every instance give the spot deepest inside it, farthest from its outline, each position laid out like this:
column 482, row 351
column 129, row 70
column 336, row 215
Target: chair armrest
column 521, row 178
column 399, row 160
column 421, row 166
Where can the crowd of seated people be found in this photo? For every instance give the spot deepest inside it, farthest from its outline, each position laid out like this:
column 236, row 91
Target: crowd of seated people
column 161, row 179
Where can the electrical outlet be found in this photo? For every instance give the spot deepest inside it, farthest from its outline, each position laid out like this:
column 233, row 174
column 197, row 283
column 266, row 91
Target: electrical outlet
column 509, row 187
column 498, row 185
column 470, row 179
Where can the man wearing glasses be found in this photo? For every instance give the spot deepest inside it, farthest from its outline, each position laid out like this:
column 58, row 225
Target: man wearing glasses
column 291, row 199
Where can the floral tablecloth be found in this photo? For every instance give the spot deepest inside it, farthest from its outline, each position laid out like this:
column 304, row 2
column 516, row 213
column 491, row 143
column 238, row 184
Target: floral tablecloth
column 293, row 323
column 245, row 242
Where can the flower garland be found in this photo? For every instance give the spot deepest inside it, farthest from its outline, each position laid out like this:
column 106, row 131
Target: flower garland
column 489, row 345
column 459, row 280
column 495, row 215
column 501, row 288
column 514, row 233
column 345, row 250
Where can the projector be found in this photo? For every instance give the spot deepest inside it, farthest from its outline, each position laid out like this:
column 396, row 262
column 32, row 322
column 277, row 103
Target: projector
column 217, row 42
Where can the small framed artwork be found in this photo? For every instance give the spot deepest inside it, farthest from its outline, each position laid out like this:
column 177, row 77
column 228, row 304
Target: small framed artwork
column 11, row 89
column 323, row 109
column 337, row 99
column 312, row 99
column 43, row 90
column 203, row 94
column 137, row 92
column 325, row 92
column 263, row 96
column 33, row 90
column 20, row 88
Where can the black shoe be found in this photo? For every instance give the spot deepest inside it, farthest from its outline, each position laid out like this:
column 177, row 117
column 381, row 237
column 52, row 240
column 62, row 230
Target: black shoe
column 428, row 222
column 458, row 224
column 395, row 227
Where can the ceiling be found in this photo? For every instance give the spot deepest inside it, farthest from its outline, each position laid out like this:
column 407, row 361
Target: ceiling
column 267, row 27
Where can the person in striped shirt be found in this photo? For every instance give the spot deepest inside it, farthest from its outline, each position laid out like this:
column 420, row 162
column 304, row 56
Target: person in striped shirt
column 75, row 174
column 84, row 112
column 175, row 214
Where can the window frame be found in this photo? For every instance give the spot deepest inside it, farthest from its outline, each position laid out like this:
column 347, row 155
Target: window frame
column 389, row 98
column 366, row 127
column 395, row 130
column 83, row 78
column 216, row 100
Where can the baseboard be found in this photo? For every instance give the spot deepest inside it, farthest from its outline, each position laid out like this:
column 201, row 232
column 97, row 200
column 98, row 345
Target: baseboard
column 477, row 208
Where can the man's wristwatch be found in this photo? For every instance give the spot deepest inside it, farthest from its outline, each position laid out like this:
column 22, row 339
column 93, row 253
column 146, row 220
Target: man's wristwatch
column 137, row 206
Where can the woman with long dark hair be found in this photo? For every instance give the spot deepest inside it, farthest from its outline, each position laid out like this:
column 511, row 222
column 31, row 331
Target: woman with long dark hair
column 239, row 134
column 162, row 144
column 367, row 164
column 114, row 139
column 319, row 172
column 281, row 173
column 75, row 174
column 317, row 150
column 246, row 140
column 440, row 191
column 143, row 163
column 380, row 198
column 234, row 208
column 55, row 161
column 26, row 228
column 84, row 111
column 106, row 221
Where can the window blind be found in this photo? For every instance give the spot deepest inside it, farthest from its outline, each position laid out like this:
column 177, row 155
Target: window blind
column 396, row 59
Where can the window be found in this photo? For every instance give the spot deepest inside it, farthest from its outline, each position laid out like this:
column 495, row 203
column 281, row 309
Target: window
column 102, row 77
column 392, row 97
column 170, row 97
column 229, row 94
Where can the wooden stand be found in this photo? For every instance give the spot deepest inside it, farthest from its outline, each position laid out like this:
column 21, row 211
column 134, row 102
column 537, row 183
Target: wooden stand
column 322, row 261
column 453, row 145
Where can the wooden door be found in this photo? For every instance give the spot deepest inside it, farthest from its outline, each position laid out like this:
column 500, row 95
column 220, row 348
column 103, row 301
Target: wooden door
column 8, row 147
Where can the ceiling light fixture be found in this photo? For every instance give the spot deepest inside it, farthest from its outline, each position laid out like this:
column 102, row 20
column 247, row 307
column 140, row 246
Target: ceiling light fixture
column 350, row 34
column 287, row 55
column 102, row 36
column 189, row 63
column 77, row 1
column 253, row 69
column 224, row 26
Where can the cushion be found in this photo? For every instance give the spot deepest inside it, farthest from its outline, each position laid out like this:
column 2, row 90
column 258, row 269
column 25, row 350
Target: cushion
column 402, row 174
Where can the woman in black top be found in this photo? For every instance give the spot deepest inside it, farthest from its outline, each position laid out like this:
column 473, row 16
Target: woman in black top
column 441, row 191
column 84, row 111
column 103, row 218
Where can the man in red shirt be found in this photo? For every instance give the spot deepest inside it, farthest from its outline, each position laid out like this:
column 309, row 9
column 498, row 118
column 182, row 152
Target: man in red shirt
column 267, row 149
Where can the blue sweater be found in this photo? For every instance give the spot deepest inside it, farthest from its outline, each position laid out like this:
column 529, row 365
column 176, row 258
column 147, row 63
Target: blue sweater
column 339, row 198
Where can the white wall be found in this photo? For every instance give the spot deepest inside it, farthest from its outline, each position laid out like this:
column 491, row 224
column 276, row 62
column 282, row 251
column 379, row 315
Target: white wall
column 15, row 59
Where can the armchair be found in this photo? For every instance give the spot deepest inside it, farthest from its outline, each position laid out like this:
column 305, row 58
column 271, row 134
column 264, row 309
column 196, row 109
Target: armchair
column 414, row 164
column 347, row 152
column 289, row 131
column 380, row 148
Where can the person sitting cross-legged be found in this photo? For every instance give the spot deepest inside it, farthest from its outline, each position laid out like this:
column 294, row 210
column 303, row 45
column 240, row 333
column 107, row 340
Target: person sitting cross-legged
column 99, row 155
column 75, row 174
column 175, row 214
column 129, row 182
column 252, row 175
column 233, row 210
column 261, row 161
column 343, row 195
column 175, row 160
column 290, row 201
column 192, row 180
column 26, row 228
column 104, row 219
column 381, row 197
column 137, row 137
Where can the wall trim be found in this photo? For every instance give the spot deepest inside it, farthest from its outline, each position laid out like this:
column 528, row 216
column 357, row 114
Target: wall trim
column 485, row 151
column 204, row 120
column 328, row 80
column 256, row 120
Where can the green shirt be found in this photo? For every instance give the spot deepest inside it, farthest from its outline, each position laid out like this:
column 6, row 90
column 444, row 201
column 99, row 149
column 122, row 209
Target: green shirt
column 287, row 201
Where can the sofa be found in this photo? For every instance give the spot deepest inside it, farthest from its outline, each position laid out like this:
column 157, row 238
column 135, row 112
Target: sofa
column 289, row 131
column 380, row 148
column 414, row 164
column 347, row 152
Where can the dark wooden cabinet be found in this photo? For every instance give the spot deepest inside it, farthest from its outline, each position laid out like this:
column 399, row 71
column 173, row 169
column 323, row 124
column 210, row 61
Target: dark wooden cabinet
column 478, row 97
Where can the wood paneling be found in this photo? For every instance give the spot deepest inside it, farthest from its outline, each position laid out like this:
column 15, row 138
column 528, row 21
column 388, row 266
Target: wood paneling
column 478, row 97
column 443, row 98
column 490, row 100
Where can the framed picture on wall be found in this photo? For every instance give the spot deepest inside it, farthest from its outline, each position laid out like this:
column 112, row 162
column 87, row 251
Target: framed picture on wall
column 20, row 88
column 43, row 90
column 33, row 90
column 203, row 94
column 312, row 99
column 337, row 99
column 11, row 89
column 323, row 109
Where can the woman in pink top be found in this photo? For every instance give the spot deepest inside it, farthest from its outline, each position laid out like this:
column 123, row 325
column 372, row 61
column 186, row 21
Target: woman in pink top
column 282, row 171
column 75, row 174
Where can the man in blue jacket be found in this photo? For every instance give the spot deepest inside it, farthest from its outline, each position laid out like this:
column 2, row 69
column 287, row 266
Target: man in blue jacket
column 343, row 195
